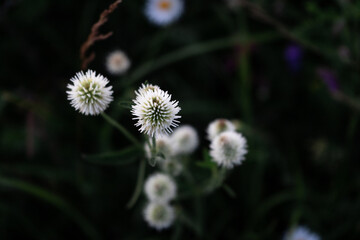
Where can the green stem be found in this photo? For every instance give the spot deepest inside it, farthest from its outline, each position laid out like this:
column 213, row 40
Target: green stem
column 118, row 126
column 139, row 185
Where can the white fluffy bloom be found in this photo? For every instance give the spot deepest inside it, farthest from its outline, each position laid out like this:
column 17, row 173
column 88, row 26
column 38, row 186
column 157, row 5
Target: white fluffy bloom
column 301, row 233
column 184, row 140
column 228, row 149
column 159, row 215
column 117, row 62
column 160, row 187
column 163, row 147
column 155, row 112
column 88, row 93
column 146, row 87
column 171, row 166
column 218, row 126
column 164, row 12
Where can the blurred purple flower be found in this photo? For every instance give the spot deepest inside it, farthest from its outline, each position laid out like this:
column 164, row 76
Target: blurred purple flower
column 328, row 78
column 293, row 55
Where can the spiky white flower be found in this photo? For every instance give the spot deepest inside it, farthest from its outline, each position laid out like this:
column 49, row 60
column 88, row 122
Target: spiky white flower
column 160, row 187
column 155, row 112
column 228, row 149
column 301, row 233
column 164, row 12
column 88, row 93
column 159, row 215
column 218, row 126
column 117, row 62
column 146, row 87
column 184, row 140
column 163, row 147
column 171, row 166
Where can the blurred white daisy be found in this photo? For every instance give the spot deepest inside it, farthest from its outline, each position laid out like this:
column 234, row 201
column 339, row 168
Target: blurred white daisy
column 228, row 149
column 164, row 12
column 301, row 233
column 159, row 215
column 171, row 166
column 155, row 112
column 218, row 126
column 88, row 93
column 163, row 147
column 117, row 62
column 160, row 187
column 184, row 140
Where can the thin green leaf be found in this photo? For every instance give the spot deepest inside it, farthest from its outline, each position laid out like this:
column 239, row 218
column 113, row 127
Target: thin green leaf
column 139, row 185
column 125, row 156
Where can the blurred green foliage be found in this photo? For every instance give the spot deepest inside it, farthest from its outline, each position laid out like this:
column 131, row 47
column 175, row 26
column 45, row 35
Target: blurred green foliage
column 64, row 175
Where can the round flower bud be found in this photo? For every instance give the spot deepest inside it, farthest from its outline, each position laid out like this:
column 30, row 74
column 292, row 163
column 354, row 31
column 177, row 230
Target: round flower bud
column 218, row 126
column 228, row 149
column 184, row 140
column 159, row 215
column 160, row 187
column 117, row 62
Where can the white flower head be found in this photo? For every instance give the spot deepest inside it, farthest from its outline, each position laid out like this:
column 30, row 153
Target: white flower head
column 117, row 62
column 146, row 87
column 171, row 166
column 159, row 215
column 301, row 233
column 218, row 126
column 155, row 112
column 88, row 93
column 160, row 187
column 228, row 149
column 164, row 12
column 163, row 147
column 184, row 140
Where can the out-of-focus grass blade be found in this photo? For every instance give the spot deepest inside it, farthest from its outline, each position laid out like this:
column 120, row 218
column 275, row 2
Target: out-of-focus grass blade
column 54, row 200
column 189, row 222
column 125, row 104
column 2, row 104
column 125, row 156
column 229, row 191
column 271, row 203
column 207, row 163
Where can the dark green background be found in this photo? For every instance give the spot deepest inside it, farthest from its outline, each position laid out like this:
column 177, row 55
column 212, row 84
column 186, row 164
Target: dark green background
column 303, row 161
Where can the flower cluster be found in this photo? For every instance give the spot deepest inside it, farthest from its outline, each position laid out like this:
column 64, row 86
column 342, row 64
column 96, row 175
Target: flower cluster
column 228, row 147
column 160, row 189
